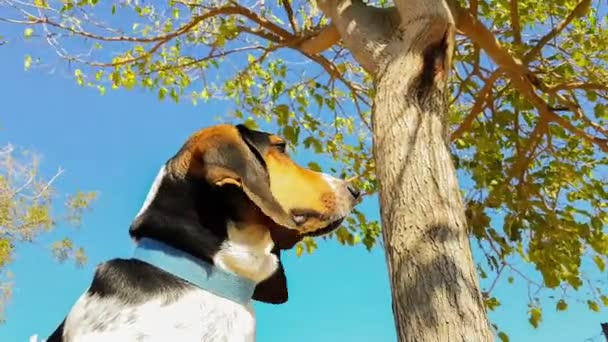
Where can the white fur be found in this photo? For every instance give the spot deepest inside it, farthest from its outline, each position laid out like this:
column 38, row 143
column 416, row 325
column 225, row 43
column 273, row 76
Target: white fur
column 247, row 252
column 153, row 190
column 334, row 183
column 340, row 189
column 196, row 316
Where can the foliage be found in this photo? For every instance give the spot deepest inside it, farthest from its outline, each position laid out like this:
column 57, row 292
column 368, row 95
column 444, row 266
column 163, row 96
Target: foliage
column 528, row 116
column 27, row 203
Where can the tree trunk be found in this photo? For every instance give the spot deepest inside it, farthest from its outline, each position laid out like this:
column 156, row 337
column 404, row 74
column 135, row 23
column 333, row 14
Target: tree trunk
column 408, row 49
column 434, row 284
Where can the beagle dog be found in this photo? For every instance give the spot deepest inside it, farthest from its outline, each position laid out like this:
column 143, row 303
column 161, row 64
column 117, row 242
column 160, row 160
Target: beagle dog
column 208, row 241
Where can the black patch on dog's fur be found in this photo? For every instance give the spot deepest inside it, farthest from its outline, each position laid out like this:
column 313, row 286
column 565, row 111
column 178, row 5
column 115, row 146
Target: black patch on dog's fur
column 187, row 214
column 273, row 290
column 134, row 282
column 57, row 335
column 191, row 214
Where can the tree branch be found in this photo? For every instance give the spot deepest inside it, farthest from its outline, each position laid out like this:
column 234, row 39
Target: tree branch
column 331, row 69
column 163, row 39
column 578, row 11
column 515, row 22
column 576, row 109
column 436, row 10
column 601, row 143
column 209, row 57
column 577, row 86
column 327, row 37
column 263, row 22
column 478, row 33
column 478, row 106
column 522, row 78
column 474, row 8
column 523, row 159
column 365, row 30
column 260, row 33
column 289, row 11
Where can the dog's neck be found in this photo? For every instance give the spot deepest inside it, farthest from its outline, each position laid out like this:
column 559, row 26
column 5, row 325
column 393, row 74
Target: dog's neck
column 247, row 252
column 195, row 219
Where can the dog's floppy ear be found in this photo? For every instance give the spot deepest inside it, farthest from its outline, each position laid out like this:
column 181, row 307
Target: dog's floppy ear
column 284, row 238
column 273, row 290
column 240, row 163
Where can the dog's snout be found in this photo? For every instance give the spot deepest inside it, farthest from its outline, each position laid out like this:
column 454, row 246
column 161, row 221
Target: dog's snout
column 353, row 191
column 345, row 190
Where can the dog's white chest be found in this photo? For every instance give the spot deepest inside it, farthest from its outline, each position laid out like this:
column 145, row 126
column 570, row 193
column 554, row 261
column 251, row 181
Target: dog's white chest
column 196, row 316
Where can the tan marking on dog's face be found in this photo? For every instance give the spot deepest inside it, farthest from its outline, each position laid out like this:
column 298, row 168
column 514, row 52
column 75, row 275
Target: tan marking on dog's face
column 312, row 199
column 320, row 198
column 206, row 139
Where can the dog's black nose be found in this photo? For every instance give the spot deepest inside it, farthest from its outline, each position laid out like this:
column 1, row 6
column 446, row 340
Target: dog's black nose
column 354, row 191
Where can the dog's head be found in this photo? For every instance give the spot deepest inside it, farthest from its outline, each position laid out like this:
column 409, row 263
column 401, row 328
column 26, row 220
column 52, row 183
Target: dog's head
column 231, row 173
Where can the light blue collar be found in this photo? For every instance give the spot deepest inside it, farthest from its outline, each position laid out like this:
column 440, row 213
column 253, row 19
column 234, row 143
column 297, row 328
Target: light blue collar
column 202, row 274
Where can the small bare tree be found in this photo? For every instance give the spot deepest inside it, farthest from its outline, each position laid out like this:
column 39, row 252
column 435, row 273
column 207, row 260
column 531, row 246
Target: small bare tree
column 27, row 200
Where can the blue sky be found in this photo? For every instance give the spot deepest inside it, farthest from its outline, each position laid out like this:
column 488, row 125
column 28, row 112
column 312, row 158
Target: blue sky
column 115, row 144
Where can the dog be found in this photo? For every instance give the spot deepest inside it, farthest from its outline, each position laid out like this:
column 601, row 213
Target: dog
column 208, row 241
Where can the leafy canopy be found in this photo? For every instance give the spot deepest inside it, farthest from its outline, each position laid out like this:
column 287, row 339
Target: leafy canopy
column 529, row 109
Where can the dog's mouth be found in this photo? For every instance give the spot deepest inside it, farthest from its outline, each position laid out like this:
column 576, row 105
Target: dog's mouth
column 301, row 217
column 286, row 238
column 325, row 230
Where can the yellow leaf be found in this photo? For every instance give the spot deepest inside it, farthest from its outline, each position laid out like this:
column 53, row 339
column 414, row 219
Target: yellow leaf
column 601, row 265
column 593, row 306
column 27, row 62
column 41, row 3
column 28, row 32
column 535, row 317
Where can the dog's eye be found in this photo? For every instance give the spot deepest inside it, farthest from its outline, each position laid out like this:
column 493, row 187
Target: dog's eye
column 282, row 147
column 299, row 219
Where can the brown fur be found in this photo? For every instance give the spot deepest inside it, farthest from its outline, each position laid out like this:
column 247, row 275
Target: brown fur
column 292, row 186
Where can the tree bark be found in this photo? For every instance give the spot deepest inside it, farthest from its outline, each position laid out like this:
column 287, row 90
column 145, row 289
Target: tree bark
column 408, row 50
column 435, row 289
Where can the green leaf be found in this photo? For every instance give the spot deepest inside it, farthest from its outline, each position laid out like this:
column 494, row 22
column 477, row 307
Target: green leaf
column 314, row 166
column 27, row 62
column 535, row 316
column 6, row 251
column 492, row 303
column 593, row 305
column 561, row 305
column 27, row 33
column 599, row 262
column 79, row 77
column 162, row 92
column 41, row 3
column 291, row 134
column 503, row 337
column 250, row 123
